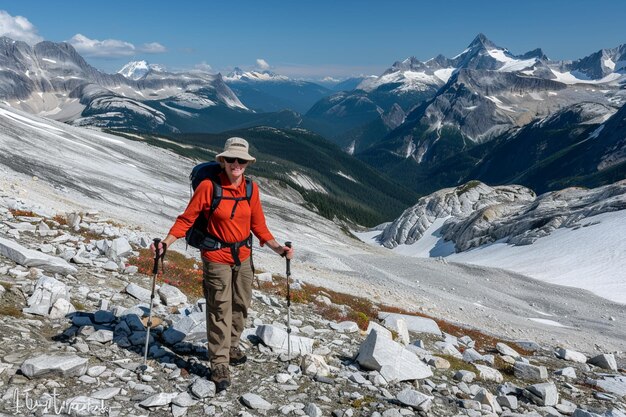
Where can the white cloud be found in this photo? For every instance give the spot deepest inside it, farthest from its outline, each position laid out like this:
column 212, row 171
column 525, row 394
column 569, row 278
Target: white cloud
column 106, row 48
column 111, row 48
column 153, row 48
column 262, row 64
column 18, row 28
column 203, row 66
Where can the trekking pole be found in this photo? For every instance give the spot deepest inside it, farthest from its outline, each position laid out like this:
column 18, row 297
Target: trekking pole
column 288, row 244
column 155, row 273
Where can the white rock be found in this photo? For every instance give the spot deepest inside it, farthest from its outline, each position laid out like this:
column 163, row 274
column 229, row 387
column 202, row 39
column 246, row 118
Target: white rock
column 95, row 371
column 158, row 400
column 46, row 293
column 184, row 400
column 203, row 388
column 345, row 327
column 171, row 296
column 106, row 393
column 415, row 399
column 101, row 336
column 312, row 410
column 255, row 402
column 530, row 372
column 119, row 247
column 506, row 350
column 543, row 394
column 314, row 365
column 485, row 397
column 570, row 355
column 605, row 361
column 138, row 292
column 27, row 257
column 191, row 326
column 392, row 360
column 265, row 277
column 61, row 308
column 66, row 365
column 415, row 324
column 276, row 338
column 110, row 266
column 488, row 374
column 568, row 372
column 382, row 331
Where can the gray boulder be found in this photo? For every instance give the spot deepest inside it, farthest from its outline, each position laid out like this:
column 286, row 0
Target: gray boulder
column 203, row 388
column 277, row 339
column 604, row 361
column 171, row 296
column 530, row 372
column 138, row 292
column 255, row 402
column 415, row 399
column 186, row 328
column 570, row 355
column 391, row 359
column 30, row 258
column 47, row 292
column 66, row 365
column 118, row 248
column 413, row 323
column 545, row 394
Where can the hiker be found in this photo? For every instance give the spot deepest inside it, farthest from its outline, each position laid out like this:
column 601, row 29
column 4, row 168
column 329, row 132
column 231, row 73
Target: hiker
column 228, row 271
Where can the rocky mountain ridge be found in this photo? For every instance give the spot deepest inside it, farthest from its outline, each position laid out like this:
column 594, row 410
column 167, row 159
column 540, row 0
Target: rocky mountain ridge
column 53, row 80
column 476, row 214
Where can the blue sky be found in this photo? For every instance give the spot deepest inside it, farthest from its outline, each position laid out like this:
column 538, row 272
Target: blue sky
column 310, row 39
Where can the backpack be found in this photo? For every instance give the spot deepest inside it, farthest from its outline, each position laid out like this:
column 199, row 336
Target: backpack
column 198, row 236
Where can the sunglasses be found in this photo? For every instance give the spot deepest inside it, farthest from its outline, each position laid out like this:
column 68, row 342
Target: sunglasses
column 232, row 160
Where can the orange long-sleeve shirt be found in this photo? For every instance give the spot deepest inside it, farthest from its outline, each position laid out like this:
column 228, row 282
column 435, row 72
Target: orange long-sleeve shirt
column 248, row 217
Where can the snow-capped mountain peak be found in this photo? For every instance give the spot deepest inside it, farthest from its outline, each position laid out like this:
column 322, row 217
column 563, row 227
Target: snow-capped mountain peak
column 482, row 42
column 136, row 70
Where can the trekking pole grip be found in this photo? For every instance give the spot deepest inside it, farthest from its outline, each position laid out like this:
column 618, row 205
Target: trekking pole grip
column 155, row 269
column 288, row 244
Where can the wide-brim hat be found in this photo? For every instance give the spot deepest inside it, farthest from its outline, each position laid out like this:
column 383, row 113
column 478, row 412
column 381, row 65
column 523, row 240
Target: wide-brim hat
column 236, row 148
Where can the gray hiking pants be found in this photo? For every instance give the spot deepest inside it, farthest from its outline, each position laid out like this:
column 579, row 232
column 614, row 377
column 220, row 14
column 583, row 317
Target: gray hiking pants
column 228, row 294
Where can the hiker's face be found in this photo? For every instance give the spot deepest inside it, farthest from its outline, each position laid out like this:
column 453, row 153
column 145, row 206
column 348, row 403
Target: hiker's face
column 235, row 168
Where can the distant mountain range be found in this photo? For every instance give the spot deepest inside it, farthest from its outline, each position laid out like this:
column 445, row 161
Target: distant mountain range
column 265, row 91
column 489, row 106
column 53, row 80
column 481, row 92
column 484, row 114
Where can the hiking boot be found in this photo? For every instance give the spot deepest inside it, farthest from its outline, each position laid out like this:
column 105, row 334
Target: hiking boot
column 220, row 374
column 237, row 356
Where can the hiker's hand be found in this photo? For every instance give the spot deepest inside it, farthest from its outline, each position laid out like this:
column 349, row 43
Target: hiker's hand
column 287, row 252
column 161, row 248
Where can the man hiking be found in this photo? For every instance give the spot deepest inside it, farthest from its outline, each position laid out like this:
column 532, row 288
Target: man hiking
column 228, row 271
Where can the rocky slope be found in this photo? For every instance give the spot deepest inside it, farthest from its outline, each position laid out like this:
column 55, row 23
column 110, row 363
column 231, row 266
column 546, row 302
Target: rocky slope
column 74, row 340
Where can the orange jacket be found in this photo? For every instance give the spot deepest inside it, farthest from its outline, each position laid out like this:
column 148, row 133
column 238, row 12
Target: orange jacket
column 248, row 217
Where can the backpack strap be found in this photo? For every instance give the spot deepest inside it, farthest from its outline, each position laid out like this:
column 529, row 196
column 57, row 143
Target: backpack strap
column 249, row 189
column 238, row 199
column 216, row 198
